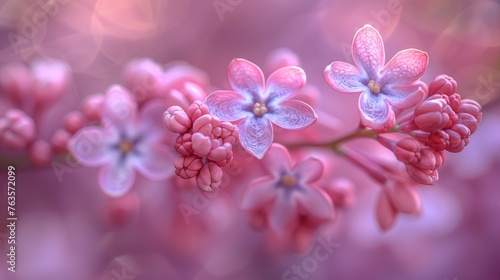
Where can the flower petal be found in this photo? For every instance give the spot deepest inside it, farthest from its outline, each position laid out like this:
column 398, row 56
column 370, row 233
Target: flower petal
column 405, row 67
column 292, row 114
column 88, row 146
column 344, row 77
column 368, row 51
column 309, row 170
column 256, row 135
column 375, row 111
column 245, row 78
column 316, row 203
column 119, row 109
column 284, row 83
column 227, row 105
column 277, row 161
column 259, row 192
column 405, row 97
column 154, row 160
column 151, row 119
column 116, row 180
column 283, row 213
column 385, row 212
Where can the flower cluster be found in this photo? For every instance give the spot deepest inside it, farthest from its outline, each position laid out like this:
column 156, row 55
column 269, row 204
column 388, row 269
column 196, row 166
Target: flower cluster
column 205, row 144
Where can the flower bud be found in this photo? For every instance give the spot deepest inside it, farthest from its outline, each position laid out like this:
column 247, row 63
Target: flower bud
column 40, row 153
column 176, row 120
column 434, row 114
column 17, row 129
column 209, row 177
column 443, row 84
column 188, row 166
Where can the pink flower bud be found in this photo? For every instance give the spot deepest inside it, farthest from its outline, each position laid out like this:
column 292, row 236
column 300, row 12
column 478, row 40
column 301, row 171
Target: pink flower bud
column 459, row 138
column 221, row 153
column 201, row 144
column 143, row 77
column 404, row 198
column 471, row 107
column 341, row 191
column 92, row 107
column 60, row 140
column 443, row 84
column 406, row 150
column 468, row 120
column 50, row 80
column 17, row 129
column 425, row 177
column 228, row 132
column 210, row 177
column 196, row 110
column 183, row 144
column 454, row 101
column 16, row 80
column 205, row 124
column 434, row 114
column 176, row 120
column 188, row 166
column 386, row 212
column 73, row 121
column 438, row 140
column 40, row 153
column 187, row 94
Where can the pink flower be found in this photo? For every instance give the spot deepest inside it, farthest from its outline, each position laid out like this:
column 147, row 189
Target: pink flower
column 381, row 86
column 126, row 142
column 288, row 192
column 256, row 104
column 17, row 130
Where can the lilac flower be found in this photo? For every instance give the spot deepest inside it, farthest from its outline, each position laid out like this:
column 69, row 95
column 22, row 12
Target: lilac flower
column 288, row 191
column 125, row 143
column 258, row 104
column 381, row 86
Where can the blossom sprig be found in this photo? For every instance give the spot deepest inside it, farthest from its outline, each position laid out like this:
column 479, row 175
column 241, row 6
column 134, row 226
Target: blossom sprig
column 204, row 143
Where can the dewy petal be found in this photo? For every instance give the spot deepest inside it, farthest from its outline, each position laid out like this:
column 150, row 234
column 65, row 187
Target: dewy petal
column 283, row 213
column 245, row 78
column 284, row 83
column 405, row 97
column 292, row 114
column 375, row 110
column 119, row 109
column 309, row 170
column 116, row 179
column 227, row 105
column 344, row 77
column 154, row 160
column 405, row 67
column 256, row 135
column 277, row 161
column 259, row 192
column 316, row 203
column 88, row 146
column 368, row 51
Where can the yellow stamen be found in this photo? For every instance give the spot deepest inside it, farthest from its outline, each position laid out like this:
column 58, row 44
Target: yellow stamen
column 289, row 180
column 259, row 109
column 374, row 87
column 126, row 146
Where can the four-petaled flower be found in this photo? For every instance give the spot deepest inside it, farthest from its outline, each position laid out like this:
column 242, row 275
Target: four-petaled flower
column 125, row 143
column 288, row 192
column 381, row 86
column 258, row 104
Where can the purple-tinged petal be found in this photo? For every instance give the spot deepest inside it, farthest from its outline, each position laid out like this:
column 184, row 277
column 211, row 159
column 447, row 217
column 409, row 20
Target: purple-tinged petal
column 89, row 146
column 277, row 161
column 154, row 160
column 227, row 105
column 151, row 118
column 375, row 111
column 405, row 97
column 116, row 180
column 292, row 114
column 283, row 213
column 256, row 135
column 315, row 203
column 344, row 77
column 119, row 109
column 309, row 170
column 405, row 67
column 284, row 83
column 245, row 78
column 259, row 192
column 368, row 51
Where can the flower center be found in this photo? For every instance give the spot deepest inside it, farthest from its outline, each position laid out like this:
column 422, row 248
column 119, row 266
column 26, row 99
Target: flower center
column 374, row 87
column 259, row 109
column 126, row 146
column 289, row 180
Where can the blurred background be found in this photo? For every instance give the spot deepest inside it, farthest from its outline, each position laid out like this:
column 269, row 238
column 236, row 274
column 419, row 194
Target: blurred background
column 68, row 229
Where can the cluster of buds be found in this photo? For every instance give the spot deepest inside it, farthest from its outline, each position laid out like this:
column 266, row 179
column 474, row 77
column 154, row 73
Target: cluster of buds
column 205, row 144
column 442, row 122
